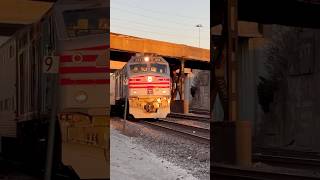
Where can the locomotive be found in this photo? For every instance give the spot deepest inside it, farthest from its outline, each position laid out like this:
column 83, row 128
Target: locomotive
column 76, row 33
column 143, row 84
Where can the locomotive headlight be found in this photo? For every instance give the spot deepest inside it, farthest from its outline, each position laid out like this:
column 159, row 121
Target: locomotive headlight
column 81, row 97
column 149, row 78
column 146, row 59
column 134, row 92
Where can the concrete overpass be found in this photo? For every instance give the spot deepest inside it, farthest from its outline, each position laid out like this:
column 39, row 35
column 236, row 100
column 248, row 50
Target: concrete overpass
column 124, row 46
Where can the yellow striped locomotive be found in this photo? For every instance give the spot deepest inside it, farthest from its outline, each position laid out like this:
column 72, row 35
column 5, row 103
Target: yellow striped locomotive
column 144, row 82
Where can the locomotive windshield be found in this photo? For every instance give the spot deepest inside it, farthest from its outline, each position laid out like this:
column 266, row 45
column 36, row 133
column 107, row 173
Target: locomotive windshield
column 140, row 68
column 86, row 21
column 158, row 68
column 136, row 68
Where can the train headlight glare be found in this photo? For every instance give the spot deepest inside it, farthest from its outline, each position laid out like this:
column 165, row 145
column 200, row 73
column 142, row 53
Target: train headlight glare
column 81, row 97
column 149, row 79
column 146, row 59
column 134, row 92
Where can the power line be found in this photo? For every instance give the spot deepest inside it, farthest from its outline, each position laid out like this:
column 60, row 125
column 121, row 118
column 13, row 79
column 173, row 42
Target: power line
column 156, row 26
column 153, row 18
column 145, row 30
column 189, row 41
column 154, row 32
column 161, row 12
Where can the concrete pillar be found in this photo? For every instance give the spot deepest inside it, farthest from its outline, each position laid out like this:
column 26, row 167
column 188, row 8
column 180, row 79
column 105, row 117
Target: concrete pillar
column 186, row 94
column 243, row 143
column 182, row 80
column 231, row 46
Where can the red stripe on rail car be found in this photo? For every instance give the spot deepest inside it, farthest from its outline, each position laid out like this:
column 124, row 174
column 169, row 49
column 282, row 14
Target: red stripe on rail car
column 103, row 47
column 137, row 83
column 85, row 58
column 134, row 79
column 84, row 81
column 135, row 87
column 83, row 69
column 138, row 77
column 65, row 58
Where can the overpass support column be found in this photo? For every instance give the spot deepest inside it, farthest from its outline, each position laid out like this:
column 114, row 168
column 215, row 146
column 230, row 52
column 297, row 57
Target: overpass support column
column 231, row 45
column 242, row 128
column 232, row 138
column 184, row 96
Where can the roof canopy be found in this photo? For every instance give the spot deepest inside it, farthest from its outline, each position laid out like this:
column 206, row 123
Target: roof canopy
column 301, row 13
column 16, row 13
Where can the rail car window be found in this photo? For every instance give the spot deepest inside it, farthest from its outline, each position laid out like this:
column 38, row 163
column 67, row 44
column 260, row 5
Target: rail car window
column 11, row 51
column 86, row 21
column 136, row 68
column 23, row 40
column 21, row 82
column 158, row 68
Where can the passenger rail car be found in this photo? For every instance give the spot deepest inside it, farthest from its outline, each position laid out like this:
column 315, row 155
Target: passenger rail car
column 77, row 33
column 144, row 82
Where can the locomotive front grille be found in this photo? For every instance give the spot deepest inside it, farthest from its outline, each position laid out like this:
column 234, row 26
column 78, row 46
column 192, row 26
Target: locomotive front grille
column 149, row 107
column 150, row 104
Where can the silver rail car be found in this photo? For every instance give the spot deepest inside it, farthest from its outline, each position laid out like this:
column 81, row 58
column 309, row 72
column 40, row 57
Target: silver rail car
column 77, row 34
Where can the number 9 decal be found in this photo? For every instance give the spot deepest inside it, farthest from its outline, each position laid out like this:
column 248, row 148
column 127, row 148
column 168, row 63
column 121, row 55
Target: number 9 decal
column 49, row 62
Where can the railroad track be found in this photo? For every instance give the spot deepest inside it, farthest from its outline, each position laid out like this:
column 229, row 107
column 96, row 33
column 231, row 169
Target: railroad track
column 189, row 117
column 287, row 158
column 286, row 152
column 222, row 172
column 290, row 162
column 199, row 111
column 192, row 132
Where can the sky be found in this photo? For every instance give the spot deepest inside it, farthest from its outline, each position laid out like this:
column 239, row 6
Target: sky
column 165, row 20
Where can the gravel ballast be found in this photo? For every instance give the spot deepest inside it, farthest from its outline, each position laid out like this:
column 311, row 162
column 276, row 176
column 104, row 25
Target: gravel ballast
column 187, row 154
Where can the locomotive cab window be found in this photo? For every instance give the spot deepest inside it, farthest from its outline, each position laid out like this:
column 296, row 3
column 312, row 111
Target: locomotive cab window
column 158, row 68
column 86, row 22
column 136, row 68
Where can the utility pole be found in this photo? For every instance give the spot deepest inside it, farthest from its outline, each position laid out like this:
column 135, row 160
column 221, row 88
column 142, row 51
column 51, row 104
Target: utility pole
column 199, row 26
column 51, row 67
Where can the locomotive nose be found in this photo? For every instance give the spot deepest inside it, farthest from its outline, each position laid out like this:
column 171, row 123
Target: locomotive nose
column 149, row 107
